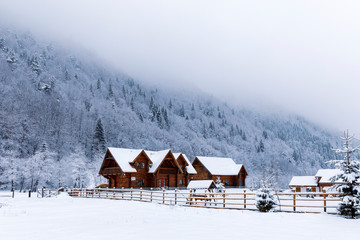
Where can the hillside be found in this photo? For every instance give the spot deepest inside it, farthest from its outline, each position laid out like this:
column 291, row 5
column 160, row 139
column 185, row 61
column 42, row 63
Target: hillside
column 51, row 101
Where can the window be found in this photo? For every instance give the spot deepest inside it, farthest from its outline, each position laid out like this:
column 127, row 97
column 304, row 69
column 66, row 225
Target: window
column 180, row 166
column 140, row 182
column 141, row 165
column 227, row 183
column 180, row 182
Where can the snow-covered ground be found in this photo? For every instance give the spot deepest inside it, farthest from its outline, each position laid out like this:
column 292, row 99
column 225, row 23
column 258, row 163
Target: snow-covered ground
column 78, row 218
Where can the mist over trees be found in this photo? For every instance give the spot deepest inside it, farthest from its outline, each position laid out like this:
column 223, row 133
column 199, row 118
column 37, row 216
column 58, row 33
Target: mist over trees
column 59, row 112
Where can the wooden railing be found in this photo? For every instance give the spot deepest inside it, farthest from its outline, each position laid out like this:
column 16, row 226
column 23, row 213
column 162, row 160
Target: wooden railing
column 111, row 171
column 236, row 199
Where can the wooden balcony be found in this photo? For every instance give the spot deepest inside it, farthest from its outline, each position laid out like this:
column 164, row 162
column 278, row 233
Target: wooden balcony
column 111, row 171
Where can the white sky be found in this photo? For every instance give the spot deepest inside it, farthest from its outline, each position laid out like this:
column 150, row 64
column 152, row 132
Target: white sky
column 301, row 56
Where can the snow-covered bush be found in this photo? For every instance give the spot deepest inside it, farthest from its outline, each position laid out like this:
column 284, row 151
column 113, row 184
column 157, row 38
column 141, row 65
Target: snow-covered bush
column 265, row 200
column 219, row 185
column 349, row 206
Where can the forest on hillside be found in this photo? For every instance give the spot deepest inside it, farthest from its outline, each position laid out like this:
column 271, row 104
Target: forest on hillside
column 59, row 110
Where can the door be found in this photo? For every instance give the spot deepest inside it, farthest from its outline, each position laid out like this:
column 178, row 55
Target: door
column 163, row 182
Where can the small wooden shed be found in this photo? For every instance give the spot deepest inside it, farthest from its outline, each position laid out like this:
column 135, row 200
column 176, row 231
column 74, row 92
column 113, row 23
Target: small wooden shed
column 201, row 184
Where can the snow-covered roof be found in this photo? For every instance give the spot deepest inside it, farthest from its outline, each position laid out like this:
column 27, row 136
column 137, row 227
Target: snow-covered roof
column 156, row 158
column 200, row 184
column 190, row 169
column 220, row 166
column 327, row 174
column 124, row 157
column 303, row 181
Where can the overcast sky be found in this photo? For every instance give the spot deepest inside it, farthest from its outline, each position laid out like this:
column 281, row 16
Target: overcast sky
column 301, row 56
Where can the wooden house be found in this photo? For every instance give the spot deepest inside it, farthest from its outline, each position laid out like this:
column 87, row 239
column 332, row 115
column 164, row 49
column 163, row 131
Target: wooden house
column 318, row 183
column 304, row 184
column 324, row 178
column 187, row 167
column 141, row 168
column 212, row 168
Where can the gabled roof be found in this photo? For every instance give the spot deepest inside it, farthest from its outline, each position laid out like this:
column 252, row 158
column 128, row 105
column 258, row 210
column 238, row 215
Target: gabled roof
column 327, row 174
column 156, row 158
column 201, row 184
column 124, row 157
column 190, row 169
column 220, row 166
column 303, row 181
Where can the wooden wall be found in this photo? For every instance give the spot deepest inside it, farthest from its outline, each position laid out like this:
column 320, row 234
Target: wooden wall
column 204, row 174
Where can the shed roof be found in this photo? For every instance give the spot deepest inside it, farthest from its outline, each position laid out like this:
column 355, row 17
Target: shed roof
column 190, row 169
column 327, row 174
column 220, row 166
column 201, row 184
column 303, row 181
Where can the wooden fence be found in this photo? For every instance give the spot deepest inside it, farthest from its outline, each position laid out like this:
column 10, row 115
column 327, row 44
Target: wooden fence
column 228, row 199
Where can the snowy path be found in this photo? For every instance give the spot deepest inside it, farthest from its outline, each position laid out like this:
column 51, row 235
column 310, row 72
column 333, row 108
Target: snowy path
column 69, row 218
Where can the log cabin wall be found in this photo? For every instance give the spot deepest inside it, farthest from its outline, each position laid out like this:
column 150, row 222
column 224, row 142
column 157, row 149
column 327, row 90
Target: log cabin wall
column 228, row 180
column 202, row 172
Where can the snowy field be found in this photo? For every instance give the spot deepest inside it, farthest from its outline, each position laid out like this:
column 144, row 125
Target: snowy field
column 78, row 218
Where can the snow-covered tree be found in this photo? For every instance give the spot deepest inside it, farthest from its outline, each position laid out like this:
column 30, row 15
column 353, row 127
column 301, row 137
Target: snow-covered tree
column 350, row 175
column 265, row 200
column 98, row 145
column 42, row 167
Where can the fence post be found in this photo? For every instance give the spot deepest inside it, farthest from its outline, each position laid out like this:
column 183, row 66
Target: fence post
column 244, row 198
column 29, row 193
column 107, row 192
column 131, row 193
column 175, row 196
column 140, row 194
column 224, row 199
column 114, row 193
column 92, row 192
column 324, row 200
column 42, row 192
column 122, row 192
column 190, row 198
column 205, row 198
column 163, row 196
column 151, row 194
column 99, row 191
column 13, row 192
column 294, row 202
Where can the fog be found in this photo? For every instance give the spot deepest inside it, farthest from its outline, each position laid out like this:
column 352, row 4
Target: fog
column 298, row 56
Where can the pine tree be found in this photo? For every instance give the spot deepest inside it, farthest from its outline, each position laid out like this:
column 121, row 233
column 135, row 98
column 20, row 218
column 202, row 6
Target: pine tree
column 151, row 105
column 261, row 146
column 98, row 146
column 111, row 93
column 141, row 117
column 165, row 117
column 123, row 91
column 159, row 119
column 265, row 134
column 182, row 111
column 132, row 103
column 98, row 84
column 264, row 198
column 350, row 174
